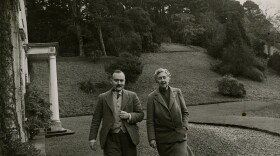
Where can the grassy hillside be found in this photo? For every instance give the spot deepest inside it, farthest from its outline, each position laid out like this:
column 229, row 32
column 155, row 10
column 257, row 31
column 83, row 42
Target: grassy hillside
column 190, row 72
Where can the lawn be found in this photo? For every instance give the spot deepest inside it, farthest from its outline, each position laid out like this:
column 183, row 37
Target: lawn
column 190, row 72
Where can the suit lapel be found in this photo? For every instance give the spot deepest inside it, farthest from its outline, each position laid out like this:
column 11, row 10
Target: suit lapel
column 109, row 99
column 159, row 98
column 125, row 98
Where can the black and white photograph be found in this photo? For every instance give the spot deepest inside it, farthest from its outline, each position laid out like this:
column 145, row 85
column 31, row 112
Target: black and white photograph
column 139, row 77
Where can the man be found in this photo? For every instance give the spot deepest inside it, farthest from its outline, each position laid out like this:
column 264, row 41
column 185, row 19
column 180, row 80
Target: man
column 119, row 110
column 167, row 118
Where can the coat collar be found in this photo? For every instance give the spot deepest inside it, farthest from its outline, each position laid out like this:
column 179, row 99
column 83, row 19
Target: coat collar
column 159, row 98
column 109, row 99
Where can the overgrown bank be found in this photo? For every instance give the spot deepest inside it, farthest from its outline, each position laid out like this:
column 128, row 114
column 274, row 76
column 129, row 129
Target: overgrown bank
column 190, row 72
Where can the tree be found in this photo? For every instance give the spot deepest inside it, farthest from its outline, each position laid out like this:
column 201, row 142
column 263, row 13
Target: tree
column 76, row 8
column 37, row 21
column 98, row 11
column 50, row 21
column 257, row 25
column 197, row 7
column 275, row 31
column 214, row 36
column 141, row 20
column 252, row 8
column 276, row 21
column 186, row 27
column 142, row 24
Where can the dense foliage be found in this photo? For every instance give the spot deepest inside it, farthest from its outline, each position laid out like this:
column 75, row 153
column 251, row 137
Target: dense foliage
column 10, row 140
column 8, row 115
column 6, row 88
column 116, row 26
column 17, row 148
column 229, row 86
column 274, row 62
column 95, row 55
column 238, row 39
column 37, row 112
column 129, row 64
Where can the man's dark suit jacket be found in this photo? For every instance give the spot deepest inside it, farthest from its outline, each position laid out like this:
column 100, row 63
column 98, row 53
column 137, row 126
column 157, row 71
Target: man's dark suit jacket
column 167, row 123
column 104, row 111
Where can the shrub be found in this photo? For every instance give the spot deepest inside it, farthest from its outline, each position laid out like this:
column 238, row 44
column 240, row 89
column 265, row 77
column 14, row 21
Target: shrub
column 215, row 35
column 260, row 63
column 95, row 55
column 126, row 55
column 102, row 85
column 239, row 55
column 136, row 53
column 233, row 69
column 37, row 112
column 157, row 34
column 254, row 73
column 239, row 59
column 215, row 48
column 229, row 86
column 87, row 86
column 274, row 62
column 258, row 47
column 147, row 40
column 120, row 42
column 166, row 39
column 154, row 47
column 90, row 48
column 129, row 64
column 215, row 66
column 17, row 148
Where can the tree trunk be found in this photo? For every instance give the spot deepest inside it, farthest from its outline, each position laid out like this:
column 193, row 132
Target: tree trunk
column 80, row 40
column 101, row 40
column 76, row 16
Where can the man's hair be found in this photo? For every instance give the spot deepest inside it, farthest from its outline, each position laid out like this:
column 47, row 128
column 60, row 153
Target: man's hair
column 160, row 70
column 117, row 71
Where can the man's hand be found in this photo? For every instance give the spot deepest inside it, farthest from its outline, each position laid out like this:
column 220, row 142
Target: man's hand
column 92, row 145
column 153, row 144
column 124, row 115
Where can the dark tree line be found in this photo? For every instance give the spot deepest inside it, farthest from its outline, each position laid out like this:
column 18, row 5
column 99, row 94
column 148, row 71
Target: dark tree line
column 231, row 32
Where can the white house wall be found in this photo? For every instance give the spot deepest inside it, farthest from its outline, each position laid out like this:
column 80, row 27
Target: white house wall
column 19, row 70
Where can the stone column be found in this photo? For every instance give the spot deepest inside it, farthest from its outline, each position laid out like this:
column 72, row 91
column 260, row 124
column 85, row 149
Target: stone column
column 53, row 92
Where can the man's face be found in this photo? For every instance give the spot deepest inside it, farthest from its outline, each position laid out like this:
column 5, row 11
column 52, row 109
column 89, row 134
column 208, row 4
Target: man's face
column 163, row 79
column 118, row 81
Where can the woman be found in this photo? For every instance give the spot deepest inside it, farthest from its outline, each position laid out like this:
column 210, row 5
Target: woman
column 167, row 118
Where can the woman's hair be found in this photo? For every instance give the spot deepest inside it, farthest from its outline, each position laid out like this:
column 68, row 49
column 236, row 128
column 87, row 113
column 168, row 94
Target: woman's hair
column 160, row 70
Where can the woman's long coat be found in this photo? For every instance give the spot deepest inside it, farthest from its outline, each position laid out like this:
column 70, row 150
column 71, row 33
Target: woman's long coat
column 167, row 123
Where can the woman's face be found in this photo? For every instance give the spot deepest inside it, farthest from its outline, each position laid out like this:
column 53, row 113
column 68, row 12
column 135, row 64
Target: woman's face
column 163, row 80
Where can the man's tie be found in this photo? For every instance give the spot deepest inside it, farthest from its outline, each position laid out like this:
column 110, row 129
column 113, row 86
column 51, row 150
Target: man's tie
column 118, row 95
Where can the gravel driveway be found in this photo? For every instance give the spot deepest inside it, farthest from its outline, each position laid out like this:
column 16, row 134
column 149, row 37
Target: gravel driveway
column 220, row 141
column 203, row 139
column 208, row 140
